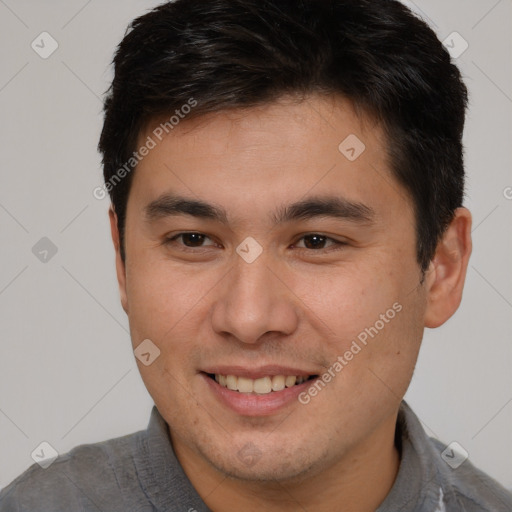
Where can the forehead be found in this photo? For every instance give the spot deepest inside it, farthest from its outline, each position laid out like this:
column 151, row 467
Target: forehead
column 275, row 151
column 314, row 117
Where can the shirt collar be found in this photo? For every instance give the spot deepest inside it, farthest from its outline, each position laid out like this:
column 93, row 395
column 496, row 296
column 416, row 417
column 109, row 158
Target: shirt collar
column 416, row 483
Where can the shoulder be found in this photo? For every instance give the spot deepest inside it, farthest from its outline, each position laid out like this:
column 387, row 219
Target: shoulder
column 444, row 478
column 466, row 487
column 86, row 478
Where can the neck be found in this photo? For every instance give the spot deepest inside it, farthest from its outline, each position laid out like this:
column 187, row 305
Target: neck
column 359, row 482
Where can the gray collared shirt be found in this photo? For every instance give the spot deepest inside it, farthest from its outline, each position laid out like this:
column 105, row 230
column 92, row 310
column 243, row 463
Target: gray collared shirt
column 140, row 473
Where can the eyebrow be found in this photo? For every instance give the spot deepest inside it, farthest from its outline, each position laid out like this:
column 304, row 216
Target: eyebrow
column 169, row 205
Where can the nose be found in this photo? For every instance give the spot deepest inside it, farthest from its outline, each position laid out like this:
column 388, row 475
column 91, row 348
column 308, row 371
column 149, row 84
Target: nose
column 254, row 301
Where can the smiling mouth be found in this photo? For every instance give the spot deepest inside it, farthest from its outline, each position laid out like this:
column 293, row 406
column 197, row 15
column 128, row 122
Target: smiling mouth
column 261, row 386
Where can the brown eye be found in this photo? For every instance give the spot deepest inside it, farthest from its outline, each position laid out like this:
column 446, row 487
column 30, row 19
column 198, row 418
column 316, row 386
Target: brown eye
column 193, row 239
column 316, row 241
column 190, row 240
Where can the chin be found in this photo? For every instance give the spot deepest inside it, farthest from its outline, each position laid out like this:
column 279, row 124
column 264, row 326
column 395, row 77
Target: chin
column 268, row 473
column 267, row 465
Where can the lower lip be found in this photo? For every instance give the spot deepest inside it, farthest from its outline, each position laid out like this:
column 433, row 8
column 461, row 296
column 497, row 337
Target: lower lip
column 252, row 404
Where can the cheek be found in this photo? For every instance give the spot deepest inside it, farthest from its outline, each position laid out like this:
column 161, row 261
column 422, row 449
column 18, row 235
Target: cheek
column 394, row 352
column 369, row 314
column 348, row 299
column 168, row 302
column 157, row 296
column 165, row 306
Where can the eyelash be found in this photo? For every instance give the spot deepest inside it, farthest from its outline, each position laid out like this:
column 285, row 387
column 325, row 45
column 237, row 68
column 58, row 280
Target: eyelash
column 337, row 245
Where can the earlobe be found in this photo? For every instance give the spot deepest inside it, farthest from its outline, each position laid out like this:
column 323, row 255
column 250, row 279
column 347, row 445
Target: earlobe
column 120, row 265
column 444, row 280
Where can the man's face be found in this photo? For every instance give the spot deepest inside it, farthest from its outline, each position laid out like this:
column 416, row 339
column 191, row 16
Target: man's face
column 321, row 283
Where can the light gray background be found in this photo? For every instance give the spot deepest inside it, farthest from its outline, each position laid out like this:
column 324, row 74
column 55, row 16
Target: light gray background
column 67, row 372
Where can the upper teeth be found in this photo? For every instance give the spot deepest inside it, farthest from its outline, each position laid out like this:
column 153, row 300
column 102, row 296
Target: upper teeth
column 261, row 386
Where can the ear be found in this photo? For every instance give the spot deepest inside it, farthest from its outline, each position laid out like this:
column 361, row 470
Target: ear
column 445, row 277
column 120, row 266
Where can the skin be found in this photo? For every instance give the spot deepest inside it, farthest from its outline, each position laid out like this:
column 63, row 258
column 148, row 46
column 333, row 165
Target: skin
column 294, row 305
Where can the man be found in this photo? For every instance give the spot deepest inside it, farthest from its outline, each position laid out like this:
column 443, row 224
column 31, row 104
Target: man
column 286, row 182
